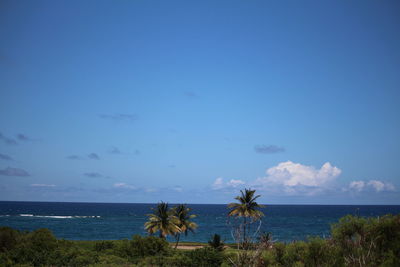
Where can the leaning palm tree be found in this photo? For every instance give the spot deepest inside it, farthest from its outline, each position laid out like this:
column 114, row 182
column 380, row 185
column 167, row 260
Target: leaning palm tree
column 181, row 212
column 247, row 208
column 162, row 221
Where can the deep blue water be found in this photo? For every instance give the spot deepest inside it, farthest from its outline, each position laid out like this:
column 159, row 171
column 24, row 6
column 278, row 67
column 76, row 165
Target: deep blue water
column 97, row 221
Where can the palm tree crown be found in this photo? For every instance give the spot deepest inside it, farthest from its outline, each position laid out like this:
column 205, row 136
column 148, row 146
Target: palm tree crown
column 247, row 206
column 181, row 212
column 163, row 221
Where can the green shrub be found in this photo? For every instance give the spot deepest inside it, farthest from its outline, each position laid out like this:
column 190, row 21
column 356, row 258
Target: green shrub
column 141, row 247
column 122, row 249
column 322, row 252
column 37, row 248
column 112, row 259
column 268, row 258
column 295, row 253
column 8, row 238
column 148, row 246
column 390, row 260
column 103, row 245
column 205, row 257
column 279, row 252
column 367, row 242
column 176, row 259
column 5, row 260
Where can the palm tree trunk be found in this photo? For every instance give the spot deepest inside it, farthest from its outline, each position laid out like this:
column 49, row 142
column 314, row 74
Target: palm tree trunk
column 177, row 240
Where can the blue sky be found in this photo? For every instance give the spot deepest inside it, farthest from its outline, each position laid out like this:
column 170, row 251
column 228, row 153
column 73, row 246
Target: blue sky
column 183, row 101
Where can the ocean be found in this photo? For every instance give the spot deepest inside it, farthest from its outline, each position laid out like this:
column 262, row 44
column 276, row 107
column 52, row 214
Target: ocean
column 110, row 221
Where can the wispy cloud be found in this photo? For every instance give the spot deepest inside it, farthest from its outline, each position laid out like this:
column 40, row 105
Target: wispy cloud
column 371, row 185
column 73, row 157
column 93, row 174
column 5, row 157
column 190, row 94
column 124, row 186
column 220, row 184
column 119, row 117
column 268, row 149
column 24, row 138
column 14, row 172
column 7, row 140
column 43, row 185
column 93, row 156
column 178, row 189
column 114, row 150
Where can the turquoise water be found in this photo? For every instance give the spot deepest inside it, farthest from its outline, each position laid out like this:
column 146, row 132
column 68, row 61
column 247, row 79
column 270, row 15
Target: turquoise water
column 99, row 221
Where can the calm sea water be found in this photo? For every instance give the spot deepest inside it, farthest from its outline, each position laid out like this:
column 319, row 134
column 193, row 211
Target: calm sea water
column 100, row 221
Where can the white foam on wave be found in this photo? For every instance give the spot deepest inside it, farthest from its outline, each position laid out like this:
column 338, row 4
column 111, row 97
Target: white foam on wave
column 57, row 216
column 54, row 217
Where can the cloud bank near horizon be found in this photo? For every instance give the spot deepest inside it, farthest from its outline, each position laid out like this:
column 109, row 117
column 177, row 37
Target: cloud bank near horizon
column 295, row 179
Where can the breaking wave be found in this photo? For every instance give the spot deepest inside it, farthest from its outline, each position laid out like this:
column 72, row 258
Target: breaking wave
column 56, row 216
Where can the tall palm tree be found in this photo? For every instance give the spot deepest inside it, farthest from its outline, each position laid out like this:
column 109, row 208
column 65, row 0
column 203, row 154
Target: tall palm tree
column 162, row 221
column 247, row 208
column 181, row 212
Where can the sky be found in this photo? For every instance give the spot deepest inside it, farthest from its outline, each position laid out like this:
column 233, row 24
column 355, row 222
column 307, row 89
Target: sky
column 193, row 101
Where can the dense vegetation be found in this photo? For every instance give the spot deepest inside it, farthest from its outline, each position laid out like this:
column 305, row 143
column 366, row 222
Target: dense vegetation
column 355, row 241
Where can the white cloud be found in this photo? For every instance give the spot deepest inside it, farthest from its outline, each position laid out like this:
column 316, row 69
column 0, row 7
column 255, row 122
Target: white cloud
column 357, row 185
column 151, row 190
column 178, row 189
column 43, row 185
column 124, row 185
column 235, row 183
column 381, row 186
column 374, row 185
column 298, row 178
column 220, row 184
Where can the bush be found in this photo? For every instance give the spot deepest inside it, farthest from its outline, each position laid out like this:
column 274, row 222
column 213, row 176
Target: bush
column 5, row 260
column 205, row 257
column 112, row 260
column 294, row 254
column 279, row 251
column 103, row 245
column 8, row 238
column 321, row 252
column 368, row 242
column 74, row 256
column 37, row 248
column 148, row 246
column 177, row 259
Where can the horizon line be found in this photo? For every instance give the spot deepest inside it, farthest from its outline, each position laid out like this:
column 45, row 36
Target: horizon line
column 173, row 203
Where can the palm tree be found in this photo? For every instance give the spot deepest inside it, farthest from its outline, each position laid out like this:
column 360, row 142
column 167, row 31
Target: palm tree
column 162, row 221
column 246, row 208
column 181, row 212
